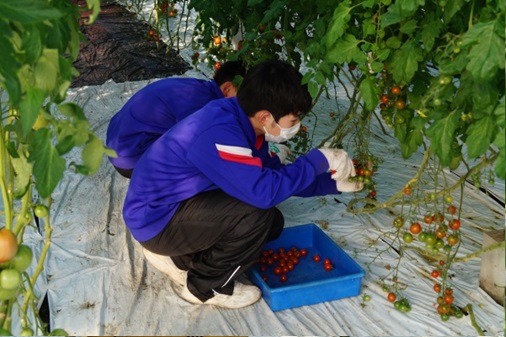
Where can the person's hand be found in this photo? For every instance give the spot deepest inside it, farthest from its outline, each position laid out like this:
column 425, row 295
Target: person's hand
column 349, row 186
column 340, row 164
column 280, row 150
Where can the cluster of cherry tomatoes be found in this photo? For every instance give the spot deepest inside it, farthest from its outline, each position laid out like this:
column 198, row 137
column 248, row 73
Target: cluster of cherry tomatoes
column 365, row 169
column 282, row 261
column 14, row 260
column 166, row 9
column 153, row 35
column 393, row 101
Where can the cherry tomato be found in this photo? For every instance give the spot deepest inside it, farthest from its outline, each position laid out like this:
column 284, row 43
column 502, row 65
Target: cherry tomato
column 449, row 291
column 398, row 222
column 216, row 40
column 454, row 224
column 40, row 211
column 407, row 237
column 283, row 278
column 440, row 232
column 400, row 104
column 437, row 287
column 328, row 267
column 10, row 279
column 435, row 273
column 415, row 228
column 430, row 238
column 6, row 294
column 303, row 252
column 21, row 261
column 217, row 65
column 8, row 245
column 452, row 239
column 448, row 299
column 452, row 209
column 327, row 261
column 384, row 99
column 407, row 190
column 317, row 258
column 427, row 219
column 396, row 90
column 391, row 297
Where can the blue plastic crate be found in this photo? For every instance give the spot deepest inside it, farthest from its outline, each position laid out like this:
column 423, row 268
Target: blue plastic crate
column 309, row 283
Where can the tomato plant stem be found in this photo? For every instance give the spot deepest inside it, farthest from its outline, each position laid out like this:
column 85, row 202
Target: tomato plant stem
column 469, row 309
column 3, row 180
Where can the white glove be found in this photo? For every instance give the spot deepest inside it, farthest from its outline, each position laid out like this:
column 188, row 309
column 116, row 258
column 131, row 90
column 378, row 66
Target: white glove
column 346, row 186
column 280, row 150
column 340, row 164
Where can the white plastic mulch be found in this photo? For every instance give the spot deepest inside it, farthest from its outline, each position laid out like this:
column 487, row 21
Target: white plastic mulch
column 99, row 283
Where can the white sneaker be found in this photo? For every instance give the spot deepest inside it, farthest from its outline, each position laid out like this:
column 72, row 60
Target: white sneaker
column 243, row 296
column 167, row 266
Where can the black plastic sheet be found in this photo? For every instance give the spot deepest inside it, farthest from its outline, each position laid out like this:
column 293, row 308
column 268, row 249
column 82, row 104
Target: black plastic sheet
column 117, row 48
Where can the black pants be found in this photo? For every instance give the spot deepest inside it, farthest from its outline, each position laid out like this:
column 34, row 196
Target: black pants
column 216, row 238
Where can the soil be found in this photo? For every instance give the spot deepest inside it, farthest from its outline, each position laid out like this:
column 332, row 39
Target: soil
column 117, row 48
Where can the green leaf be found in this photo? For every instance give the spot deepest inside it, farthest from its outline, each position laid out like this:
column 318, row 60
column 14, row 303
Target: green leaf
column 479, row 136
column 92, row 154
column 72, row 110
column 410, row 5
column 46, row 70
column 451, row 8
column 370, row 92
column 22, row 175
column 48, row 165
column 487, row 53
column 9, row 65
column 396, row 13
column 338, row 24
column 441, row 135
column 405, row 61
column 28, row 11
column 409, row 27
column 432, row 26
column 29, row 107
column 346, row 50
column 411, row 143
column 393, row 42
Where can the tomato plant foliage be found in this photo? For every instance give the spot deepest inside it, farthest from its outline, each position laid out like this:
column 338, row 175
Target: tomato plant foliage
column 39, row 40
column 447, row 57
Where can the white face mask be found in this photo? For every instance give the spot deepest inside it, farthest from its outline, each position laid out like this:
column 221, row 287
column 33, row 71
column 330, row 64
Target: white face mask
column 284, row 133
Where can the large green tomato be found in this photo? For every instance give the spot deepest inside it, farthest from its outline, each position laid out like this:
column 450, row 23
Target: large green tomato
column 10, row 279
column 21, row 261
column 7, row 294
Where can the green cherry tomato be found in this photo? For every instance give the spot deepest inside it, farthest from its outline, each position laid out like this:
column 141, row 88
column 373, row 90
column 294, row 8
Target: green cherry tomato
column 445, row 317
column 366, row 298
column 407, row 237
column 7, row 294
column 58, row 332
column 398, row 222
column 21, row 261
column 40, row 211
column 422, row 236
column 10, row 279
column 431, row 238
column 26, row 332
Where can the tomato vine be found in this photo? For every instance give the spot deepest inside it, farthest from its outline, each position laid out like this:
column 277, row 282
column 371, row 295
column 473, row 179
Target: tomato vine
column 40, row 41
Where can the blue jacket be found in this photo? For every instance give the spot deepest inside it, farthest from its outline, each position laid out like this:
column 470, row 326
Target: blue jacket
column 153, row 110
column 216, row 147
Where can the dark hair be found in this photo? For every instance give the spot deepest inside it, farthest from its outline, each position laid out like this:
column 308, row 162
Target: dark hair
column 228, row 71
column 275, row 86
